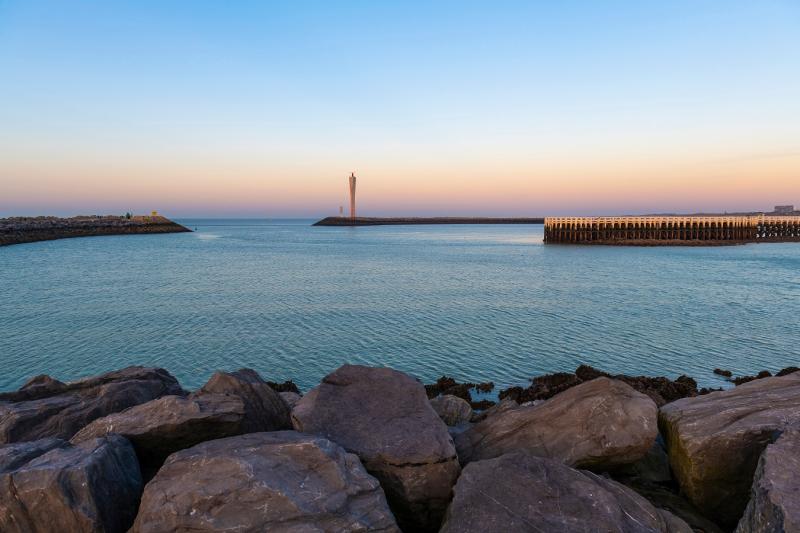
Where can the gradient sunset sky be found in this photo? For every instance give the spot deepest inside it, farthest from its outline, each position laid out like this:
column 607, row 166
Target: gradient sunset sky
column 448, row 107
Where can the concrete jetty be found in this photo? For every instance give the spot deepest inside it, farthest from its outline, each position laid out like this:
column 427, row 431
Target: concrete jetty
column 17, row 230
column 399, row 221
column 671, row 230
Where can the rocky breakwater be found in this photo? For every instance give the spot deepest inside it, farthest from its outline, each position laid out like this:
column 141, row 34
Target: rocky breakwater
column 18, row 230
column 367, row 451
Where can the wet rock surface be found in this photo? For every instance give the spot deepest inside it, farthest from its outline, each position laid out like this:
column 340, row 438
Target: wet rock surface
column 384, row 417
column 489, row 497
column 715, row 441
column 55, row 486
column 452, row 409
column 265, row 410
column 599, row 424
column 660, row 389
column 278, row 481
column 446, row 385
column 45, row 407
column 775, row 495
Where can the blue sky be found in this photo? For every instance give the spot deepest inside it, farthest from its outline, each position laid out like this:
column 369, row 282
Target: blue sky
column 261, row 108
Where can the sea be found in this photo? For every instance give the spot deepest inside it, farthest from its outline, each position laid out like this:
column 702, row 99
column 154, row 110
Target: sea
column 475, row 302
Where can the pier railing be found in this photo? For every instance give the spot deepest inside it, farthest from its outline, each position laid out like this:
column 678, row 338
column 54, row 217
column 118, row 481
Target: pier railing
column 587, row 230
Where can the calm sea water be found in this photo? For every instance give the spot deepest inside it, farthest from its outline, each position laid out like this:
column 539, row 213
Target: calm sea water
column 474, row 302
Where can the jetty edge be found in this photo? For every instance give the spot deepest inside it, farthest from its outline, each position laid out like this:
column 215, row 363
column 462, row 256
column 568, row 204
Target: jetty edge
column 19, row 230
column 410, row 221
column 662, row 455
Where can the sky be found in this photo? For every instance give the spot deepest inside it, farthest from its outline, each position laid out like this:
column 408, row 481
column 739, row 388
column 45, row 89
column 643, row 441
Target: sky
column 262, row 109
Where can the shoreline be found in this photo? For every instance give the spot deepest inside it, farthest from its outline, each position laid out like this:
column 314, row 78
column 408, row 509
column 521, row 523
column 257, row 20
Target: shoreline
column 21, row 230
column 119, row 441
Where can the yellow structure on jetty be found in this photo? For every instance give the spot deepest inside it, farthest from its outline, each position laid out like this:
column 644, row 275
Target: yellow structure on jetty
column 633, row 230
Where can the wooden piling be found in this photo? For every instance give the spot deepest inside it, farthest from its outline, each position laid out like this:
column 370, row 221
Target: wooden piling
column 653, row 230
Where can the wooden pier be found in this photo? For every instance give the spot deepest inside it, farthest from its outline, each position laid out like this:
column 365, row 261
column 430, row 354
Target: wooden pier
column 671, row 230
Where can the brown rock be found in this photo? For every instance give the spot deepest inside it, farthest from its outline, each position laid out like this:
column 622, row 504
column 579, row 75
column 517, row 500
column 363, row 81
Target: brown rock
column 265, row 410
column 715, row 441
column 278, row 481
column 291, row 399
column 385, row 418
column 600, row 424
column 163, row 426
column 93, row 486
column 452, row 409
column 523, row 493
column 48, row 408
column 774, row 505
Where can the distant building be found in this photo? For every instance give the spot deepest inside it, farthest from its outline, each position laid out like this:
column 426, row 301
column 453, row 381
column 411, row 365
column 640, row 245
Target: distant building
column 784, row 209
column 154, row 214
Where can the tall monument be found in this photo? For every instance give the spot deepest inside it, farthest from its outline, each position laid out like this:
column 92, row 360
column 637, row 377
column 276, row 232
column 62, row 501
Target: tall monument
column 352, row 196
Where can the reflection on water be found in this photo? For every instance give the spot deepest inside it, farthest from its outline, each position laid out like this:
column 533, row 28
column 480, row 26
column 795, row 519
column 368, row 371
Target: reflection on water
column 475, row 302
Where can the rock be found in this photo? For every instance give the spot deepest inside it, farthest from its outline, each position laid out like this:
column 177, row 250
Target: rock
column 715, row 441
column 13, row 456
column 747, row 379
column 384, row 417
column 504, row 405
column 523, row 493
column 265, row 410
column 92, row 486
column 723, row 373
column 666, row 498
column 277, row 481
column 652, row 468
column 448, row 386
column 451, row 409
column 774, row 504
column 291, row 398
column 163, row 426
column 45, row 407
column 286, row 386
column 662, row 390
column 600, row 424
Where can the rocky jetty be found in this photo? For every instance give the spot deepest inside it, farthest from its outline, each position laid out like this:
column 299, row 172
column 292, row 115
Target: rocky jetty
column 371, row 450
column 18, row 230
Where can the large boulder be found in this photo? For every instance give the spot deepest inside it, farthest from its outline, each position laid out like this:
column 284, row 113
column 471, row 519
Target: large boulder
column 265, row 409
column 715, row 441
column 45, row 407
column 384, row 417
column 452, row 409
column 52, row 485
column 278, row 481
column 524, row 493
column 600, row 424
column 775, row 496
column 171, row 423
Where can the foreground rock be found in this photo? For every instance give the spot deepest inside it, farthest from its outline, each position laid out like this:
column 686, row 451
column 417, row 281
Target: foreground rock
column 45, row 407
column 715, row 441
column 265, row 410
column 166, row 425
column 600, row 424
column 384, row 416
column 53, row 486
column 279, row 481
column 522, row 493
column 452, row 409
column 775, row 497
